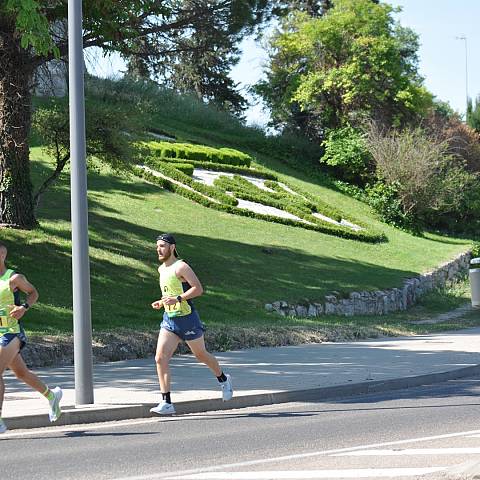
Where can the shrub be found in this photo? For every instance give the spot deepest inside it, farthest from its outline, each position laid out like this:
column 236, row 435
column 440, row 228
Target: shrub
column 199, row 152
column 385, row 200
column 346, row 151
column 186, row 168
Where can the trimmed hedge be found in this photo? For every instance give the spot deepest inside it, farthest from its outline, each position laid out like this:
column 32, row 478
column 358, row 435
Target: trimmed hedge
column 172, row 172
column 189, row 151
column 331, row 229
column 186, row 168
column 223, row 167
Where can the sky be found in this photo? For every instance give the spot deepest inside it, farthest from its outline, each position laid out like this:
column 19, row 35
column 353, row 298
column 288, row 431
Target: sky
column 441, row 54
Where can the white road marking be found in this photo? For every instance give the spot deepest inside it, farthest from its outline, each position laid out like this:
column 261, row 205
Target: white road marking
column 296, row 456
column 314, row 474
column 75, row 428
column 411, row 451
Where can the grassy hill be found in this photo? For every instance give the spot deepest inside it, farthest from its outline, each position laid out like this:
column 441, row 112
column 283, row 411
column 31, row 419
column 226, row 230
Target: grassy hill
column 243, row 263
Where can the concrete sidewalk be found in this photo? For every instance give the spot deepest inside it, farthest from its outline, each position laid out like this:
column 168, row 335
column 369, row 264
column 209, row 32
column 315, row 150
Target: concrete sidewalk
column 127, row 389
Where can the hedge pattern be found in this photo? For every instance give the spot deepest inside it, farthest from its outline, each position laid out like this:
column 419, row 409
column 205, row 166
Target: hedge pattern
column 365, row 235
column 189, row 151
column 223, row 167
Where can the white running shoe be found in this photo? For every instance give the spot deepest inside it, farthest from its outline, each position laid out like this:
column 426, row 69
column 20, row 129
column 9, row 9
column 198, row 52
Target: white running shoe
column 3, row 427
column 55, row 410
column 227, row 388
column 163, row 408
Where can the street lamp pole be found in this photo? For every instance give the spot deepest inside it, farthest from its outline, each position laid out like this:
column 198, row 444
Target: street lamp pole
column 82, row 324
column 464, row 38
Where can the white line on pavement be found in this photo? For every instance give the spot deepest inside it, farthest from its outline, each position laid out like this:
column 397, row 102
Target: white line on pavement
column 75, row 428
column 410, row 451
column 313, row 474
column 261, row 461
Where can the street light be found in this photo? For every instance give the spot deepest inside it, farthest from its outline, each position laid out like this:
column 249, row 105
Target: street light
column 82, row 323
column 464, row 38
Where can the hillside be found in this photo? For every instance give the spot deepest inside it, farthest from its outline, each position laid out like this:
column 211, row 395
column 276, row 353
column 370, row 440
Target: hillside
column 243, row 262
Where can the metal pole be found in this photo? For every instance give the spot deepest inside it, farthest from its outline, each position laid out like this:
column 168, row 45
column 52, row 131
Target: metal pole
column 464, row 38
column 82, row 324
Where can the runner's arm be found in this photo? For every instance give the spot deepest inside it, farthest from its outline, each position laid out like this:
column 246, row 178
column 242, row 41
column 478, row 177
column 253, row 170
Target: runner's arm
column 19, row 282
column 186, row 273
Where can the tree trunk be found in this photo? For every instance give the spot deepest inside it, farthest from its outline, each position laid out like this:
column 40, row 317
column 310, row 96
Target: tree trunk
column 16, row 75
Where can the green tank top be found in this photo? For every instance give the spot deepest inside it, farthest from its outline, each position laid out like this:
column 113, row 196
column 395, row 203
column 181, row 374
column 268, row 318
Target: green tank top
column 171, row 286
column 8, row 324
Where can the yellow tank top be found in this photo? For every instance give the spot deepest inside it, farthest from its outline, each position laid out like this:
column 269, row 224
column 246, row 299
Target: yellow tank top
column 171, row 286
column 8, row 324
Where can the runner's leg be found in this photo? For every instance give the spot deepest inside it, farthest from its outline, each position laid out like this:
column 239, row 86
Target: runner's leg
column 6, row 356
column 166, row 346
column 198, row 348
column 21, row 371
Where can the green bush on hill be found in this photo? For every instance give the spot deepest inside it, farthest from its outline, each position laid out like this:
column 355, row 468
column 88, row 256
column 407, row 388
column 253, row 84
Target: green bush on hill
column 189, row 151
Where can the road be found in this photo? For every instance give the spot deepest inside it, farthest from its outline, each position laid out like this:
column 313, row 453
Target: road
column 431, row 430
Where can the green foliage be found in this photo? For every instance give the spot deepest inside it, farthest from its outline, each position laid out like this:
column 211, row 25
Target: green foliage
column 475, row 249
column 33, row 25
column 354, row 62
column 175, row 174
column 188, row 151
column 385, row 200
column 346, row 151
column 427, row 185
column 108, row 129
column 186, row 168
column 368, row 236
column 223, row 167
column 473, row 114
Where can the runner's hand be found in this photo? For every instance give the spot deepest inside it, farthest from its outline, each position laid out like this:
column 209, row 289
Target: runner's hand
column 157, row 304
column 169, row 300
column 17, row 311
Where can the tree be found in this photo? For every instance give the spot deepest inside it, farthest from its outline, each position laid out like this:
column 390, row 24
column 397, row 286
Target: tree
column 473, row 114
column 28, row 40
column 351, row 63
column 199, row 60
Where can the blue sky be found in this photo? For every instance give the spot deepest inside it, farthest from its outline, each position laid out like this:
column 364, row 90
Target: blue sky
column 441, row 55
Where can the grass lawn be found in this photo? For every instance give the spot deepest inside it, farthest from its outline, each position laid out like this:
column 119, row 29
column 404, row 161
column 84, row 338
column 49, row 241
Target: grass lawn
column 227, row 252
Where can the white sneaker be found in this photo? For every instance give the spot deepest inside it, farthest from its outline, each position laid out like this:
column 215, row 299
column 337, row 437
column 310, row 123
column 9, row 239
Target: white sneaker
column 163, row 408
column 55, row 410
column 227, row 388
column 3, row 427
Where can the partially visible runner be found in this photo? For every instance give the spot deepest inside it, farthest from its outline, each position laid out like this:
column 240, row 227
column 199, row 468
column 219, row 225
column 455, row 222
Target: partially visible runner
column 13, row 338
column 179, row 284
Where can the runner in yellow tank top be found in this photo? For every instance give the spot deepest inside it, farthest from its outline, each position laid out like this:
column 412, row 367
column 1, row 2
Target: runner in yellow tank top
column 13, row 338
column 179, row 284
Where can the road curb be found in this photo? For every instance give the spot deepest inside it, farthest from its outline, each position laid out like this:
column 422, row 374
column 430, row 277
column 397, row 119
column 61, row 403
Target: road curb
column 94, row 414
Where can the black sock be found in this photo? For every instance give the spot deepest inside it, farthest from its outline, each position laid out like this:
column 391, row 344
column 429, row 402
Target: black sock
column 166, row 397
column 222, row 378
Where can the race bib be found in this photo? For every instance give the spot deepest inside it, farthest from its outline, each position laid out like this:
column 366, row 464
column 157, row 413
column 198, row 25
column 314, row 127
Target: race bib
column 178, row 309
column 8, row 324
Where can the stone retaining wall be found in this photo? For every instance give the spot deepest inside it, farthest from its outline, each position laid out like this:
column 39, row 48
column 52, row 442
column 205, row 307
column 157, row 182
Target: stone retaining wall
column 379, row 302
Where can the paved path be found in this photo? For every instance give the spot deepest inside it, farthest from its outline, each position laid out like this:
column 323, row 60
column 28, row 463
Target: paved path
column 127, row 389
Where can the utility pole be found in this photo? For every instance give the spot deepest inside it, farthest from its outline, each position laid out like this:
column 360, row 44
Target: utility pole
column 464, row 39
column 82, row 323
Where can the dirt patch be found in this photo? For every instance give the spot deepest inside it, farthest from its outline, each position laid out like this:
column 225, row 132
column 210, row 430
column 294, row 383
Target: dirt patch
column 57, row 350
column 448, row 316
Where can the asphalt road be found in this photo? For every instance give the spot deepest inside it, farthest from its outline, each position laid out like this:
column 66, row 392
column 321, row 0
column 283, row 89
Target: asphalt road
column 431, row 430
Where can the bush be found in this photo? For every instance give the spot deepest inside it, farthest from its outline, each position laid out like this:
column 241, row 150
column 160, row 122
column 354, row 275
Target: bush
column 426, row 183
column 346, row 151
column 385, row 200
column 186, row 168
column 189, row 151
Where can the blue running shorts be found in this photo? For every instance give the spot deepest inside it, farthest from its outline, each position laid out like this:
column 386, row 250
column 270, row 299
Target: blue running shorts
column 6, row 338
column 187, row 327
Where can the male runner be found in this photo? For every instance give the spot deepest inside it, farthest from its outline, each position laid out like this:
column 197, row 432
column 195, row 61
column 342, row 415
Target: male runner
column 179, row 284
column 12, row 335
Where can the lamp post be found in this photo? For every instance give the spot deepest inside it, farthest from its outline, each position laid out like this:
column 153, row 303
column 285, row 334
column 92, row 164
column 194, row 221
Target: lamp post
column 82, row 324
column 464, row 38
